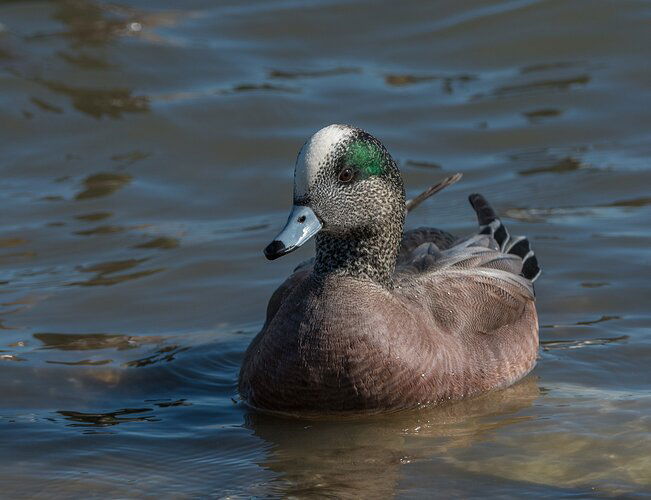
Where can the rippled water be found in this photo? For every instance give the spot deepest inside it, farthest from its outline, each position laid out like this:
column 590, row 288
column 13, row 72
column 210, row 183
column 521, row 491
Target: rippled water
column 147, row 155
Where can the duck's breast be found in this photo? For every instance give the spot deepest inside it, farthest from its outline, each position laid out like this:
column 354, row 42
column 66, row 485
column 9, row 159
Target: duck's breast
column 349, row 345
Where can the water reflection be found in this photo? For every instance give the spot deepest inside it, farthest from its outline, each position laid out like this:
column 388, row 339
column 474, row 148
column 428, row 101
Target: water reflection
column 90, row 23
column 105, row 271
column 342, row 458
column 103, row 184
column 82, row 362
column 168, row 403
column 4, row 53
column 293, row 75
column 94, row 216
column 43, row 105
column 126, row 159
column 259, row 87
column 569, row 214
column 10, row 357
column 448, row 83
column 73, row 342
column 163, row 354
column 535, row 68
column 122, row 416
column 634, row 202
column 539, row 115
column 543, row 85
column 585, row 322
column 567, row 164
column 162, row 242
column 577, row 344
column 85, row 61
column 105, row 229
column 100, row 102
column 600, row 320
column 12, row 242
column 91, row 341
column 423, row 164
column 594, row 284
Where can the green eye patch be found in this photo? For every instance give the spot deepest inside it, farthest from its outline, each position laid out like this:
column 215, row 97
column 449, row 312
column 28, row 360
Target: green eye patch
column 366, row 156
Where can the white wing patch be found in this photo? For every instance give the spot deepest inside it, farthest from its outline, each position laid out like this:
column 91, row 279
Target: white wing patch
column 314, row 153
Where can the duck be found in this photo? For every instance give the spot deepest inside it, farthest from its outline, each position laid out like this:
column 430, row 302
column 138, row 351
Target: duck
column 385, row 319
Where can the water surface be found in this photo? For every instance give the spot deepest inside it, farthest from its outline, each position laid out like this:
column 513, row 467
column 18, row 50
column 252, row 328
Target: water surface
column 147, row 155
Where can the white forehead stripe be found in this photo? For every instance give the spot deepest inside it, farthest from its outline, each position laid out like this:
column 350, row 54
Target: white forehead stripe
column 314, row 153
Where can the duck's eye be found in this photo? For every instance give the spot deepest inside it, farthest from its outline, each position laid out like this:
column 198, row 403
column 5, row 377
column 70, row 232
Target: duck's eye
column 346, row 175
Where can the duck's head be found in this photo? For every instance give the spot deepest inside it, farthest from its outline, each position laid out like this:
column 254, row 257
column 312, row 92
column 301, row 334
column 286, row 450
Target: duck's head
column 345, row 184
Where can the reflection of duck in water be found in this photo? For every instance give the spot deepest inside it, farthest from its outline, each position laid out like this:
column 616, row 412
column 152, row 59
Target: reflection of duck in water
column 382, row 319
column 349, row 458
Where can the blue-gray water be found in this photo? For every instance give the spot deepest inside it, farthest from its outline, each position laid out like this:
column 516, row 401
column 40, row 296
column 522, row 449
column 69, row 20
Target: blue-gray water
column 146, row 159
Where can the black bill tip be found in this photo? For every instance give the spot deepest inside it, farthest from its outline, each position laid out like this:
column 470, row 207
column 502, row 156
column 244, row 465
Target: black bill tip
column 275, row 249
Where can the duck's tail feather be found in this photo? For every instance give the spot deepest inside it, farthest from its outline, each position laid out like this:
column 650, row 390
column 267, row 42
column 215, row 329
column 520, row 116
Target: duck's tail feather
column 490, row 223
column 432, row 190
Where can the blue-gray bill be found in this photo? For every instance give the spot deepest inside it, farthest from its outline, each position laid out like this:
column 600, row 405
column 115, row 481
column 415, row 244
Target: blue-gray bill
column 301, row 226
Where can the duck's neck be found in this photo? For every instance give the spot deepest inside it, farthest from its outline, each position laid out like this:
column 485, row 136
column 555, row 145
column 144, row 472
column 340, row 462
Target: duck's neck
column 365, row 254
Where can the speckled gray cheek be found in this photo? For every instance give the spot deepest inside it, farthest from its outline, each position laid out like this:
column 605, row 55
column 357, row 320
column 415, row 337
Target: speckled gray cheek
column 370, row 250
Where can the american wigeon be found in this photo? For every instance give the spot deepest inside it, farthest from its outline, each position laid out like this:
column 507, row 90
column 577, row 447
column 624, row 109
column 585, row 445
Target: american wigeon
column 383, row 319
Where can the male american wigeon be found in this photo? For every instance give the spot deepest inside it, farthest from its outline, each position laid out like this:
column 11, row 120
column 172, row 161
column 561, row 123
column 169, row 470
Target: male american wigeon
column 383, row 319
